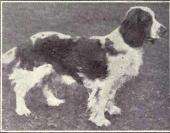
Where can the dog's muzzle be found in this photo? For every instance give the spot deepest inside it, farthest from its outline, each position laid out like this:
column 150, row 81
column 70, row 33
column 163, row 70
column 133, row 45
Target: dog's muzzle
column 162, row 31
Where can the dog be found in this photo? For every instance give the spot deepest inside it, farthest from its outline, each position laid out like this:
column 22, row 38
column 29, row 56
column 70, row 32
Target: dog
column 100, row 63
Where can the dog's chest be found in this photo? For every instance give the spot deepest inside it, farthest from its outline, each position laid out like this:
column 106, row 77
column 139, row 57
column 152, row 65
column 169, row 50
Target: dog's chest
column 125, row 64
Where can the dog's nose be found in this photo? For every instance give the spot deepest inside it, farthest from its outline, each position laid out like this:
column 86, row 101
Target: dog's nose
column 162, row 31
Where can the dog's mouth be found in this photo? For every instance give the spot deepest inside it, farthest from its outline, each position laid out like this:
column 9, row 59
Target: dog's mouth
column 150, row 40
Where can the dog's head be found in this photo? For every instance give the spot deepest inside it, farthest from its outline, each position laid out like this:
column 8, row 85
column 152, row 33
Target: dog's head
column 141, row 25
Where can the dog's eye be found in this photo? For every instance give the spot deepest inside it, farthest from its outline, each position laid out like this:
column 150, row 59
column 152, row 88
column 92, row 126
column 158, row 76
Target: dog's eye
column 147, row 20
column 52, row 52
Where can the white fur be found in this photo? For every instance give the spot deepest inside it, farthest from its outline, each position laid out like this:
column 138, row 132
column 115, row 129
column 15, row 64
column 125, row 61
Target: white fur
column 51, row 99
column 24, row 80
column 155, row 28
column 67, row 79
column 45, row 34
column 9, row 56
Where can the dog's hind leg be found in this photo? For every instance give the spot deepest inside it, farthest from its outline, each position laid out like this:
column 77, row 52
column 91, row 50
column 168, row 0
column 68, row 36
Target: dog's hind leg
column 21, row 108
column 24, row 80
column 51, row 99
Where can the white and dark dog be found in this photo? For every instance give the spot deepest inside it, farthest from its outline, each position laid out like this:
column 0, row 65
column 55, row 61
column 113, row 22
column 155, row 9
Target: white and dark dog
column 101, row 63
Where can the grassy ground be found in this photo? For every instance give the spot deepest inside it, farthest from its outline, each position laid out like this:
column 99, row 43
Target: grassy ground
column 144, row 100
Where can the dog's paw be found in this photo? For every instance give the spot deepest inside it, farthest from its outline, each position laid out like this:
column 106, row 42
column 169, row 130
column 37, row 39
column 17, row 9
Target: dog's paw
column 100, row 121
column 113, row 110
column 23, row 111
column 55, row 102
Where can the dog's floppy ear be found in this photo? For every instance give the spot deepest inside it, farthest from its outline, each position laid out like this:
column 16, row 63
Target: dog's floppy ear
column 133, row 28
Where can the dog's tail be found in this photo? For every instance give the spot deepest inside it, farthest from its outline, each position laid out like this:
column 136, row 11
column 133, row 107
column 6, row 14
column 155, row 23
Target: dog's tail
column 9, row 56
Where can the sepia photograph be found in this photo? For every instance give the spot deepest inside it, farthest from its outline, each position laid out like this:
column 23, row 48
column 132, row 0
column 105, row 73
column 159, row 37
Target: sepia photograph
column 85, row 66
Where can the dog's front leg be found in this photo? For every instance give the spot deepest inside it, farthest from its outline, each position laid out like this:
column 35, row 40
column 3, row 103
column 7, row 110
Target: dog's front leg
column 97, row 103
column 111, row 106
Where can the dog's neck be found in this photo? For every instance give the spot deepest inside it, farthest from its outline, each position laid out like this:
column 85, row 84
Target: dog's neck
column 119, row 44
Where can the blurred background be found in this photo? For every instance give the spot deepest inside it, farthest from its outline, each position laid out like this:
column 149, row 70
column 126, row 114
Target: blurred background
column 145, row 100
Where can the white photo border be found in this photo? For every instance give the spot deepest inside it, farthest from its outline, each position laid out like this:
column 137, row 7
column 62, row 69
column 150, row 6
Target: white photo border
column 153, row 2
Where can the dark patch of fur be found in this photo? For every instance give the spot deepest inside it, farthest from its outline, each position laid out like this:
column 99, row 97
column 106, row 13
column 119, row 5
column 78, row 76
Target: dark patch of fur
column 67, row 56
column 26, row 56
column 136, row 27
